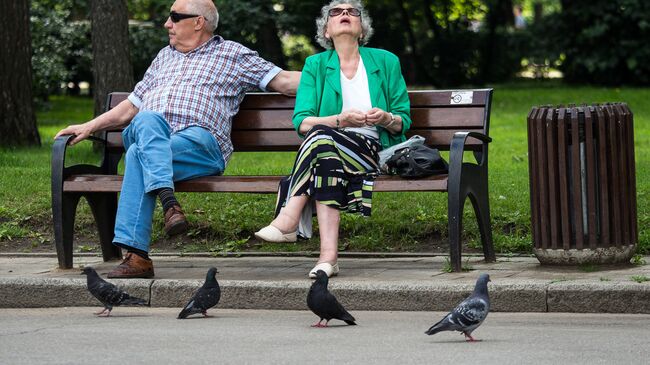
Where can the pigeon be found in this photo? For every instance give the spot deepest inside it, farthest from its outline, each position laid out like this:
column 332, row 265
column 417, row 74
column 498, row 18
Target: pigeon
column 469, row 314
column 324, row 304
column 205, row 298
column 107, row 293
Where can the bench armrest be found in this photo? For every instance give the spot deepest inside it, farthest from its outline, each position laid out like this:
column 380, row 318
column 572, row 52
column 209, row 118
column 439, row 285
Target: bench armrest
column 59, row 147
column 457, row 148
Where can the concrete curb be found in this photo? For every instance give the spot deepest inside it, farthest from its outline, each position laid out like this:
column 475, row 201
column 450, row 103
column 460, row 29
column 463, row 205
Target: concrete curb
column 507, row 296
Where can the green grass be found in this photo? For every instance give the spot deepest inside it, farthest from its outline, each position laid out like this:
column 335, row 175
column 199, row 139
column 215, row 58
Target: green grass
column 400, row 221
column 640, row 278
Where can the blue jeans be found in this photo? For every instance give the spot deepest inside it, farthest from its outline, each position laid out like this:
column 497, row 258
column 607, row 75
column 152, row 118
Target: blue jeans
column 154, row 159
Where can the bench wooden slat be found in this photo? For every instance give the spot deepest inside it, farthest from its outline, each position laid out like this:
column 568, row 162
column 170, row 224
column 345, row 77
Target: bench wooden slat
column 422, row 118
column 456, row 118
column 267, row 101
column 441, row 139
column 264, row 120
column 272, row 140
column 442, row 98
column 288, row 140
column 244, row 184
column 423, row 98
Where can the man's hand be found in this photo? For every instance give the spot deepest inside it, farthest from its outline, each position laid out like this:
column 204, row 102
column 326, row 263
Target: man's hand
column 80, row 131
column 118, row 117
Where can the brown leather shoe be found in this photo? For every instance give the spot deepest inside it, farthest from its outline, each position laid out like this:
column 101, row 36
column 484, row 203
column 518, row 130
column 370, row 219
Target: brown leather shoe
column 133, row 266
column 175, row 222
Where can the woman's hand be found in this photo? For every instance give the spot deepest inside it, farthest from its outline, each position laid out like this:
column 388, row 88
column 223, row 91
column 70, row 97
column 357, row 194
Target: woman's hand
column 376, row 116
column 352, row 118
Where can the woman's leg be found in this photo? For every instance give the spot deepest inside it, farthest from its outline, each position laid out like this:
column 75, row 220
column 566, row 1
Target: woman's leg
column 289, row 217
column 329, row 220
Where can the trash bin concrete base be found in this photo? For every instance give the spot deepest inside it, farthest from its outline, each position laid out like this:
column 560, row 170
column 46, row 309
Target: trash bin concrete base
column 582, row 184
column 598, row 256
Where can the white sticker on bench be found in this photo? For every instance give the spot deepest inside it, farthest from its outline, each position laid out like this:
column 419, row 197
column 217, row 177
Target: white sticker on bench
column 462, row 97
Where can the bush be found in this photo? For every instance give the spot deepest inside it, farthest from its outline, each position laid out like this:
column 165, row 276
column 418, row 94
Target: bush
column 606, row 41
column 145, row 40
column 51, row 42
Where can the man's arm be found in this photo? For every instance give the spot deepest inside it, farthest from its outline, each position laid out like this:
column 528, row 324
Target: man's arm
column 285, row 82
column 117, row 117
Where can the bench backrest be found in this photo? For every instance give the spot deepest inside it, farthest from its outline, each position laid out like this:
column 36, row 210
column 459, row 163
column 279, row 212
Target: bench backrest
column 436, row 114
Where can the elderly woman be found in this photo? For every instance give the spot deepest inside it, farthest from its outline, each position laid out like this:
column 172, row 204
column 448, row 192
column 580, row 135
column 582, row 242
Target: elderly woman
column 351, row 103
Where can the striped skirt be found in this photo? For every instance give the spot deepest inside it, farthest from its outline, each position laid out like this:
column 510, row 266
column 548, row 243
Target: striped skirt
column 334, row 167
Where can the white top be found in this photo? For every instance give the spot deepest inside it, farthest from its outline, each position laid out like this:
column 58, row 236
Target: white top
column 356, row 95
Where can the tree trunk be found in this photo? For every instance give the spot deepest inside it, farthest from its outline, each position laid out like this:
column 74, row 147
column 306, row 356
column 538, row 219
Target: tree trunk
column 112, row 70
column 17, row 119
column 271, row 45
column 499, row 15
column 538, row 12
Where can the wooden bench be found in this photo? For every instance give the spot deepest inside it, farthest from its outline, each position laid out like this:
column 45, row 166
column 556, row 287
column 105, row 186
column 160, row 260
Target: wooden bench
column 457, row 121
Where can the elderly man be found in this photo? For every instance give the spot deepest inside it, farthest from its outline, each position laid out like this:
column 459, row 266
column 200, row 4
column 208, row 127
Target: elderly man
column 179, row 119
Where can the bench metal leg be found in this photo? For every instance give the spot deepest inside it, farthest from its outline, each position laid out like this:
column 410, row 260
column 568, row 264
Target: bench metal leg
column 64, row 209
column 104, row 208
column 482, row 210
column 456, row 201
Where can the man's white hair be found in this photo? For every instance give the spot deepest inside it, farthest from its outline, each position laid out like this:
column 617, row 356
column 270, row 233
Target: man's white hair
column 206, row 9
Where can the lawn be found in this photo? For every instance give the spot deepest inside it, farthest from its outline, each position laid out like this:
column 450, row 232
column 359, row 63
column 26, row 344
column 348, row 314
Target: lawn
column 225, row 222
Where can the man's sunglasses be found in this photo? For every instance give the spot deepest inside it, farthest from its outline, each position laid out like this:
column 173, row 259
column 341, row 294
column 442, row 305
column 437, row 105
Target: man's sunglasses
column 177, row 17
column 338, row 11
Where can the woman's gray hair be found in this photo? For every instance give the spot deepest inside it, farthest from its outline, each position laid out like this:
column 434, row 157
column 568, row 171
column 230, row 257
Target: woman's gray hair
column 206, row 9
column 321, row 23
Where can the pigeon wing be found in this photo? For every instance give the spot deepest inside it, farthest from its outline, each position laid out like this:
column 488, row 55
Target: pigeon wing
column 204, row 299
column 106, row 292
column 335, row 309
column 469, row 314
column 465, row 317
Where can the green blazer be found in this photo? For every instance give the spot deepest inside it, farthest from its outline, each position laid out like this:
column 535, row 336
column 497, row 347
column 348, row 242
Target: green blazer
column 319, row 93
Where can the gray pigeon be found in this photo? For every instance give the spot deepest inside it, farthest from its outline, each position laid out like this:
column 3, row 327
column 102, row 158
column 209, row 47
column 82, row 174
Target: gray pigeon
column 107, row 293
column 324, row 304
column 205, row 298
column 469, row 314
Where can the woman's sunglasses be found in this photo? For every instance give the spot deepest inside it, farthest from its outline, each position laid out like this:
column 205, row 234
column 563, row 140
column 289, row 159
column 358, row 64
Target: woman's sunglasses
column 177, row 17
column 338, row 11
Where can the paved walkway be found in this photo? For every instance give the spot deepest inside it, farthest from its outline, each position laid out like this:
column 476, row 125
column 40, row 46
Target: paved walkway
column 519, row 284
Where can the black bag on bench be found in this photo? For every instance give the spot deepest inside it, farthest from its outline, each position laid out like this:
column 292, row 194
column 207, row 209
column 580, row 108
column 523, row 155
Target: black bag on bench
column 417, row 161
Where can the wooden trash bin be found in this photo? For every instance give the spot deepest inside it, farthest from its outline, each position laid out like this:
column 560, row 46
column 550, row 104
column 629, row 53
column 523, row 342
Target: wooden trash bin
column 582, row 184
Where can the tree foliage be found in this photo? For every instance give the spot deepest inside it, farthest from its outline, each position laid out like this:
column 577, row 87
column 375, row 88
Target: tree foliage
column 443, row 43
column 606, row 41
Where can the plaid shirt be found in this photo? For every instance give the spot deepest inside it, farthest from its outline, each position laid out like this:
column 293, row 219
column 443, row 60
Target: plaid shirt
column 203, row 87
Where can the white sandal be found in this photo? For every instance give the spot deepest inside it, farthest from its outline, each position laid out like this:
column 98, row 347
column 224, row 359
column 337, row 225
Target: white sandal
column 273, row 234
column 329, row 269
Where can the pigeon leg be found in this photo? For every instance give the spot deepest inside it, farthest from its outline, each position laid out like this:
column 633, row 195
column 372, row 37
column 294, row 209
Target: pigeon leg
column 107, row 311
column 205, row 314
column 318, row 325
column 101, row 312
column 469, row 338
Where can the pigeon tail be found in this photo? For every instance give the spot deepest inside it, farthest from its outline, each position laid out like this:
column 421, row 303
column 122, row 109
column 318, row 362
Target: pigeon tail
column 350, row 322
column 133, row 301
column 185, row 313
column 438, row 327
